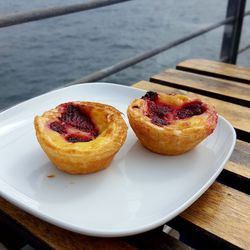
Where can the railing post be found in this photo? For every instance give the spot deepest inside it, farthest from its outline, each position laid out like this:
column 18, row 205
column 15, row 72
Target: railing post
column 232, row 31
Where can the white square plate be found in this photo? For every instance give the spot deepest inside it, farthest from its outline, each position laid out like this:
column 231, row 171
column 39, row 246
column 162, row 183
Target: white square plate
column 139, row 191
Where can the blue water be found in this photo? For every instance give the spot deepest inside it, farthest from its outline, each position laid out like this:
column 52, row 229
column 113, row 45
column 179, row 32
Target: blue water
column 40, row 56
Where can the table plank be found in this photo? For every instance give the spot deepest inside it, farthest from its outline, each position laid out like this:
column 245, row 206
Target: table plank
column 156, row 240
column 221, row 89
column 241, row 154
column 216, row 69
column 240, row 159
column 49, row 236
column 238, row 115
column 236, row 172
column 58, row 238
column 223, row 212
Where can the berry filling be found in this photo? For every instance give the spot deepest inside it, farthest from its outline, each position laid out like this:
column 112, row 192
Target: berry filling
column 58, row 127
column 74, row 124
column 150, row 95
column 77, row 138
column 77, row 118
column 190, row 109
column 162, row 114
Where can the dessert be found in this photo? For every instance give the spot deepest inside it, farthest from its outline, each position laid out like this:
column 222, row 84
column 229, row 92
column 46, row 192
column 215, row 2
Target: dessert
column 81, row 137
column 171, row 124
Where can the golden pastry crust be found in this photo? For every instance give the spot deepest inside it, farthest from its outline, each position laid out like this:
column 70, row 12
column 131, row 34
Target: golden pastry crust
column 170, row 133
column 81, row 157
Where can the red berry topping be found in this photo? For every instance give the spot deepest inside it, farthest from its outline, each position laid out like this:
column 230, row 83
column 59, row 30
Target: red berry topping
column 159, row 109
column 150, row 95
column 77, row 138
column 162, row 114
column 73, row 116
column 77, row 118
column 159, row 121
column 191, row 109
column 58, row 127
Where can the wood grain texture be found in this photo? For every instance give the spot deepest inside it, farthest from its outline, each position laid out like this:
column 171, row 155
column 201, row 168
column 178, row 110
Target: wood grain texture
column 216, row 69
column 224, row 212
column 240, row 159
column 239, row 116
column 236, row 172
column 58, row 238
column 222, row 89
column 156, row 240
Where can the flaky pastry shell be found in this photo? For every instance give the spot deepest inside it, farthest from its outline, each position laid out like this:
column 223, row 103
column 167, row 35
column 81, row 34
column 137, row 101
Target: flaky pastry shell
column 83, row 157
column 178, row 137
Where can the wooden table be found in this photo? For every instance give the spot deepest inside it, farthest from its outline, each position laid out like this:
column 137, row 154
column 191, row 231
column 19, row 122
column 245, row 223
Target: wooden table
column 219, row 218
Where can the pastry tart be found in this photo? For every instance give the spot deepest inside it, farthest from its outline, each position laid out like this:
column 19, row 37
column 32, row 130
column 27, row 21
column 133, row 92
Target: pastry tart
column 171, row 124
column 81, row 137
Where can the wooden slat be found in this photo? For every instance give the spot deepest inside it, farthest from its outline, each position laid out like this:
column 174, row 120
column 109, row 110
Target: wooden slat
column 236, row 172
column 222, row 89
column 223, row 212
column 156, row 240
column 50, row 236
column 240, row 159
column 58, row 238
column 238, row 169
column 216, row 69
column 239, row 116
column 241, row 154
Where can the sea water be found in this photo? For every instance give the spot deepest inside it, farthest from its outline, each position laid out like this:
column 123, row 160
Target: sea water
column 39, row 56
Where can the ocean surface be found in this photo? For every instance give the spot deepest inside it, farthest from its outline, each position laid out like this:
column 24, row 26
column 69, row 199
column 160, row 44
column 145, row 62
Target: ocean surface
column 40, row 56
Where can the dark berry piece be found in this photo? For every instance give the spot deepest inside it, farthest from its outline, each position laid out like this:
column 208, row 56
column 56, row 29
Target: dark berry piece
column 74, row 116
column 150, row 95
column 190, row 110
column 58, row 127
column 77, row 118
column 75, row 138
column 158, row 121
column 159, row 109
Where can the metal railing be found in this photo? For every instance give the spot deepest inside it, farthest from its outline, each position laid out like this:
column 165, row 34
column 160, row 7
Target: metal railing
column 232, row 32
column 229, row 49
column 40, row 14
column 141, row 57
